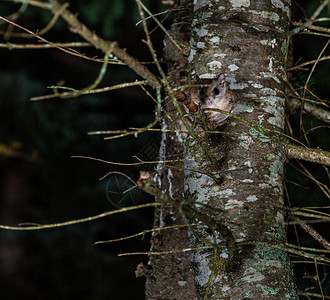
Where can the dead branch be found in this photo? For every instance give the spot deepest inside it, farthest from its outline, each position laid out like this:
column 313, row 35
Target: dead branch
column 77, row 27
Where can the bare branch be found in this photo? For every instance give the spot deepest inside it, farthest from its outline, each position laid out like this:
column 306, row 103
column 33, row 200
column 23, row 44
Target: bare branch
column 77, row 27
column 316, row 111
column 78, row 221
column 308, row 63
column 312, row 232
column 36, row 3
column 11, row 46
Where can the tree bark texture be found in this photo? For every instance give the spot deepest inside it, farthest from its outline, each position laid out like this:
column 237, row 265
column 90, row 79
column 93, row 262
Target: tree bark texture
column 246, row 40
column 171, row 275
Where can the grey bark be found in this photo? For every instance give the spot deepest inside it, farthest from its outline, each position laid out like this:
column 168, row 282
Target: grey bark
column 246, row 40
column 171, row 275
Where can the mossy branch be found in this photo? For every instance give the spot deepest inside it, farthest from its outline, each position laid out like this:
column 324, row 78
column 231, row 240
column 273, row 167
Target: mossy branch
column 308, row 154
column 293, row 151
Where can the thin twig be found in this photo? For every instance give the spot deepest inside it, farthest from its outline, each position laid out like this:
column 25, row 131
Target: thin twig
column 144, row 232
column 312, row 232
column 78, row 221
column 100, row 90
column 126, row 164
column 77, row 27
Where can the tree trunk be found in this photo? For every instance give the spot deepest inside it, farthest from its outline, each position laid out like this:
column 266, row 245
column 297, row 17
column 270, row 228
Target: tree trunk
column 239, row 195
column 171, row 276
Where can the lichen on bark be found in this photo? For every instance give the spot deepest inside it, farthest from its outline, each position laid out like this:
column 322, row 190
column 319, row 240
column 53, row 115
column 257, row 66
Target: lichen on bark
column 243, row 39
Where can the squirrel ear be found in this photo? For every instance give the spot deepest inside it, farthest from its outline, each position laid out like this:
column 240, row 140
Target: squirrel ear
column 221, row 79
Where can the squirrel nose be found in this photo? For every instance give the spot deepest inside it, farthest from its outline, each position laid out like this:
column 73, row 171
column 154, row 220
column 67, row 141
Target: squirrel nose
column 208, row 101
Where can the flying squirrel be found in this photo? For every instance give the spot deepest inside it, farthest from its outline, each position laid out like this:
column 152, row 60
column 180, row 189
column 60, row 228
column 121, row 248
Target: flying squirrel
column 211, row 94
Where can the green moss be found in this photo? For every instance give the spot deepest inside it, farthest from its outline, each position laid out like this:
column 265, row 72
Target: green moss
column 249, row 295
column 215, row 188
column 268, row 291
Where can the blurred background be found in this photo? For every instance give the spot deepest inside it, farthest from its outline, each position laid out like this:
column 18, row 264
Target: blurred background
column 41, row 182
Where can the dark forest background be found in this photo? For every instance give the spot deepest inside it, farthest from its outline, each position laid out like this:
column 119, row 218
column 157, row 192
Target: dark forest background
column 63, row 263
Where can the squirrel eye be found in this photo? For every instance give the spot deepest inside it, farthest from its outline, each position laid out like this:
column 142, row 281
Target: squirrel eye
column 216, row 91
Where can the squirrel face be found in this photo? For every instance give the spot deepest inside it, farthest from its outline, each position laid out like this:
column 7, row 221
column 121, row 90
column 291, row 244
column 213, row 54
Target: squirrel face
column 216, row 96
column 212, row 94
